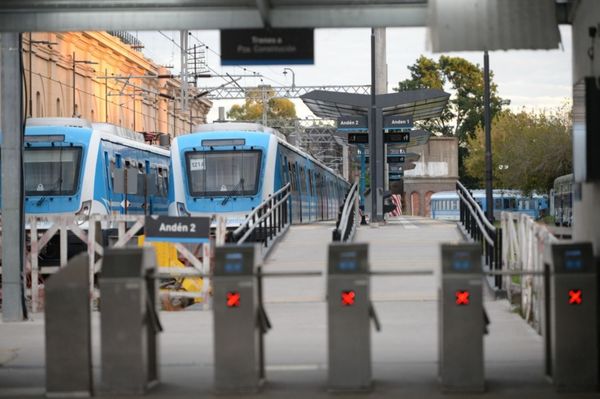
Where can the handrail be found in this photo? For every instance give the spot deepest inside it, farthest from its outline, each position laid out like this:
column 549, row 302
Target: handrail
column 269, row 218
column 478, row 221
column 343, row 229
column 477, row 207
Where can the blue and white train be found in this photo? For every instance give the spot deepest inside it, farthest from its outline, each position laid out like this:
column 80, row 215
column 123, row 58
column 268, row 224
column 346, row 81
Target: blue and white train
column 445, row 204
column 70, row 166
column 228, row 169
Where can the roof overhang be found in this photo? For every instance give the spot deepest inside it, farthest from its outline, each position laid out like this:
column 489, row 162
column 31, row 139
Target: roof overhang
column 420, row 104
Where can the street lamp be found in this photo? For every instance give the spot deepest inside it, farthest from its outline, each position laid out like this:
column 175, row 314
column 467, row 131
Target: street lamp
column 293, row 76
column 74, row 64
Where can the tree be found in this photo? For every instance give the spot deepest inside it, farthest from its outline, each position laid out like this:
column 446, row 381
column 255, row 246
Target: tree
column 252, row 109
column 528, row 150
column 464, row 112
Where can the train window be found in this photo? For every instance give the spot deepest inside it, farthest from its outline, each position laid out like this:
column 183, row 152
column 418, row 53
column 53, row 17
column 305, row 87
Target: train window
column 51, row 170
column 223, row 173
column 302, row 180
column 310, row 182
column 498, row 203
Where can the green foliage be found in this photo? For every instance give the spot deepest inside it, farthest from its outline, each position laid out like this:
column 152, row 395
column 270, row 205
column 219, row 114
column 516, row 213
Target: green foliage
column 528, row 150
column 252, row 109
column 464, row 112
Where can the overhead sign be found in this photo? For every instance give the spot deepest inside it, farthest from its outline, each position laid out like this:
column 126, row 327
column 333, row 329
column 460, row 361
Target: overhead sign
column 358, row 138
column 396, row 137
column 395, row 159
column 397, row 123
column 352, row 124
column 177, row 229
column 267, row 46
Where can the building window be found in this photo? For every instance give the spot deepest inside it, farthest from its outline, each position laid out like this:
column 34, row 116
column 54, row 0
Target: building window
column 38, row 105
column 58, row 107
column 92, row 116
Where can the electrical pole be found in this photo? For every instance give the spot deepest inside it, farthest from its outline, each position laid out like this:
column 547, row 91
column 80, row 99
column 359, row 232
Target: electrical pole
column 489, row 198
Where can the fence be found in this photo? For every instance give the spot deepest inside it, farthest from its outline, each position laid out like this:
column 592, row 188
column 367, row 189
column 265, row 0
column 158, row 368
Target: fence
column 41, row 230
column 524, row 249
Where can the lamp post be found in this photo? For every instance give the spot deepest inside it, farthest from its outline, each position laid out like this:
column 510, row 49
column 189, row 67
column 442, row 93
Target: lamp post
column 293, row 76
column 74, row 65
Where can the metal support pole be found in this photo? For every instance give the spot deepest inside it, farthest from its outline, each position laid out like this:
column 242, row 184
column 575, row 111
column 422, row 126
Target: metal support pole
column 29, row 83
column 372, row 133
column 13, row 232
column 363, row 171
column 74, row 64
column 106, row 95
column 488, row 137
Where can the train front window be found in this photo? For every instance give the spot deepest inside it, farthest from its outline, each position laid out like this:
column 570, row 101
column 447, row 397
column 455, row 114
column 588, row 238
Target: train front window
column 51, row 170
column 223, row 173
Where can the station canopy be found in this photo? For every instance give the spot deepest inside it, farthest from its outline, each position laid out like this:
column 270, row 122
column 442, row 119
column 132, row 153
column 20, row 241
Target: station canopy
column 420, row 104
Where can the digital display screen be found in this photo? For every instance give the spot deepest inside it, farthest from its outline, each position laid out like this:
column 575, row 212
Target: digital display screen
column 223, row 142
column 461, row 261
column 573, row 260
column 45, row 138
column 348, row 261
column 233, row 263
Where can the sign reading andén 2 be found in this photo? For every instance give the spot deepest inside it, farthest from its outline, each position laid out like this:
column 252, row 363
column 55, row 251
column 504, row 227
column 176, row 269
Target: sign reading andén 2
column 267, row 46
column 177, row 229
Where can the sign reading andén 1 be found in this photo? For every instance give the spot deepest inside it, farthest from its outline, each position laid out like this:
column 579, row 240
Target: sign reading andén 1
column 392, row 123
column 267, row 46
column 177, row 229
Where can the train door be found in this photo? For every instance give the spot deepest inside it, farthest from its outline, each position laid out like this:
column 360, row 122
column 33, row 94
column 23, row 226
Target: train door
column 311, row 192
column 297, row 197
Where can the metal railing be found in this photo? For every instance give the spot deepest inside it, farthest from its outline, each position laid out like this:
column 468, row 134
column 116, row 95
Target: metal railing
column 266, row 222
column 524, row 252
column 345, row 227
column 88, row 229
column 475, row 224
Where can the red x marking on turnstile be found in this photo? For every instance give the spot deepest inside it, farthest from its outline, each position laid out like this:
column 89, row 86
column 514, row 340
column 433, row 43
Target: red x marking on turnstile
column 233, row 299
column 348, row 298
column 574, row 297
column 462, row 297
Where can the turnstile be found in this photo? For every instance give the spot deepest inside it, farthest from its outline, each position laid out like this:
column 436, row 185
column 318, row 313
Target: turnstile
column 129, row 321
column 237, row 319
column 461, row 319
column 349, row 311
column 68, row 334
column 572, row 328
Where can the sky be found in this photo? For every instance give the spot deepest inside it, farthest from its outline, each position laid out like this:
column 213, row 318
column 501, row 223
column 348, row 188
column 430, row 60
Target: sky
column 535, row 80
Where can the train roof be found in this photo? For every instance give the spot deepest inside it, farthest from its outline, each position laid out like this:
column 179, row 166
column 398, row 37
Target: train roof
column 107, row 131
column 237, row 126
column 480, row 193
column 56, row 121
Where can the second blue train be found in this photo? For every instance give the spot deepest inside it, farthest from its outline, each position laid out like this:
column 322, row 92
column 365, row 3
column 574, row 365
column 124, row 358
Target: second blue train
column 230, row 168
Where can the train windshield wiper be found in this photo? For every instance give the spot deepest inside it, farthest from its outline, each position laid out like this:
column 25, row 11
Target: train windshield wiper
column 236, row 190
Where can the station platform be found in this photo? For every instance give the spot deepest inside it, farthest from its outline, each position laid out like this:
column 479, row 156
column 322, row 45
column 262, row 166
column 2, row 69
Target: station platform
column 404, row 353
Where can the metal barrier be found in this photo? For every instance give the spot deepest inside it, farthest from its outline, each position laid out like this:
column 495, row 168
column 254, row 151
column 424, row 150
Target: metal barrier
column 571, row 334
column 266, row 222
column 524, row 241
column 129, row 321
column 477, row 226
column 239, row 320
column 68, row 332
column 41, row 229
column 345, row 226
column 461, row 319
column 349, row 312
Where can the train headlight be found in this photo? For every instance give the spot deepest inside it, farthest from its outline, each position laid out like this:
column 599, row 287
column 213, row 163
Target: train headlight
column 86, row 207
column 181, row 210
